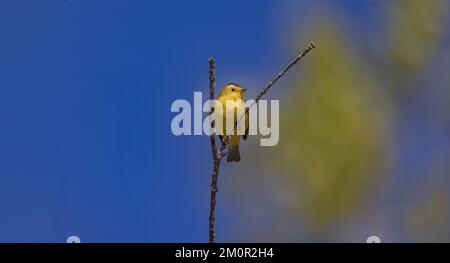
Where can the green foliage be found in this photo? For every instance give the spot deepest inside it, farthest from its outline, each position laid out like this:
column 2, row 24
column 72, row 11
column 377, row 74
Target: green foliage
column 416, row 27
column 333, row 133
column 335, row 154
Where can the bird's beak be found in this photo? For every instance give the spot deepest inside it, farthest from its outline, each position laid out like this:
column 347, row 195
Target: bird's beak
column 244, row 90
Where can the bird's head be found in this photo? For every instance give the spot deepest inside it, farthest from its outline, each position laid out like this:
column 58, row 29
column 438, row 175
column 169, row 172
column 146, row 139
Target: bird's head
column 233, row 91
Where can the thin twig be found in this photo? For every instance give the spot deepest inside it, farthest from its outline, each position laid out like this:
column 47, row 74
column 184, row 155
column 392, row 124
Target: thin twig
column 215, row 173
column 281, row 74
column 212, row 88
column 218, row 154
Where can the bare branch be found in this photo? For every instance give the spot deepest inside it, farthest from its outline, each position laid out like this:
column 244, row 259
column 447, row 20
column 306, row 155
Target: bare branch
column 212, row 89
column 215, row 173
column 218, row 154
column 281, row 74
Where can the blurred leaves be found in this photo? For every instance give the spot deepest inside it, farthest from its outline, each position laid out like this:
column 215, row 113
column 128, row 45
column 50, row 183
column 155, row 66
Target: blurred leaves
column 337, row 155
column 428, row 220
column 333, row 133
column 416, row 27
column 426, row 212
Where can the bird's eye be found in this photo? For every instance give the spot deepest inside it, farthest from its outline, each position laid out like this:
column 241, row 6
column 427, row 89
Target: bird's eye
column 232, row 89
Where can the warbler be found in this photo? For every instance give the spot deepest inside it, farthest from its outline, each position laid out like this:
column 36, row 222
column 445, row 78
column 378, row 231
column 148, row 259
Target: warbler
column 231, row 95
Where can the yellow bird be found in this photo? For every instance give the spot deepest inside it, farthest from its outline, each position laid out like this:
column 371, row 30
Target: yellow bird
column 232, row 95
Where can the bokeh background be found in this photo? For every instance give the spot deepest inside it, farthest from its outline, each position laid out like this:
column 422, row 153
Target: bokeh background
column 85, row 141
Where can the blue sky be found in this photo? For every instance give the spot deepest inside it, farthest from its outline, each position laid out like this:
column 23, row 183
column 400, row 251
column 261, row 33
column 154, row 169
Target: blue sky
column 85, row 95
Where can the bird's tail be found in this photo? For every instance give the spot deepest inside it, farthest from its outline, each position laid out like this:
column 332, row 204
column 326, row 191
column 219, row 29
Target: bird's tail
column 233, row 154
